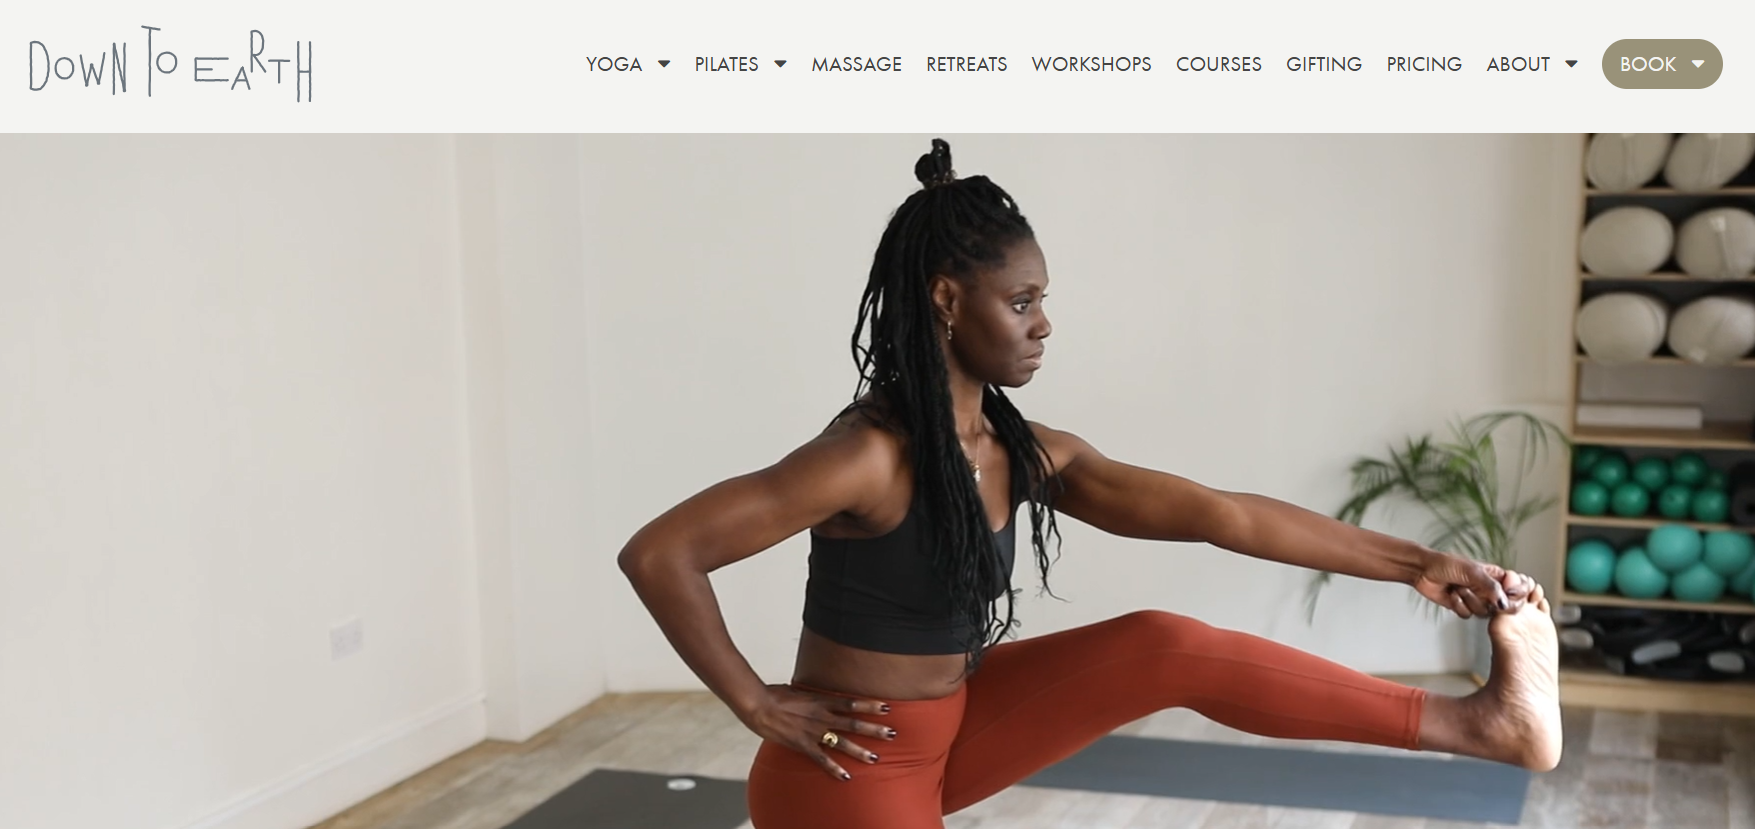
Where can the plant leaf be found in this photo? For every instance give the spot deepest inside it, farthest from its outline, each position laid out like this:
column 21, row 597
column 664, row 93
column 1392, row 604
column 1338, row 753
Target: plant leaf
column 1459, row 482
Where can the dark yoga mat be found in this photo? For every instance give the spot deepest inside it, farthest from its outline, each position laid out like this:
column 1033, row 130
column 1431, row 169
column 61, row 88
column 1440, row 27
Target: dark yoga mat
column 609, row 799
column 1465, row 790
column 1460, row 789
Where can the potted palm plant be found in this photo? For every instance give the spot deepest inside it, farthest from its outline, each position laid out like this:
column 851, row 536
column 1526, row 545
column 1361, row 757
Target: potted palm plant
column 1476, row 503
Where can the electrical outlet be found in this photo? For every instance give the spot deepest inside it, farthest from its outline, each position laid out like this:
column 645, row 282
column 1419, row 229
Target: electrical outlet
column 346, row 639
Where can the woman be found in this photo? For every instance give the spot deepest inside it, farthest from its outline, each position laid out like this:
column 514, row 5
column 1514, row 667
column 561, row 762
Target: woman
column 904, row 704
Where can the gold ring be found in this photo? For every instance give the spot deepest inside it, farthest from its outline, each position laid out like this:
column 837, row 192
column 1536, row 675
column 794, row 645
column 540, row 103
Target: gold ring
column 830, row 739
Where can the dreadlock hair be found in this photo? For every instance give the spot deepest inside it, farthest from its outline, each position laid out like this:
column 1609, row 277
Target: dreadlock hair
column 954, row 227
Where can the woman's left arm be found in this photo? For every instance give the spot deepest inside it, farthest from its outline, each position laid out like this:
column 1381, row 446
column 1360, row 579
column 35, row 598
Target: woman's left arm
column 1136, row 502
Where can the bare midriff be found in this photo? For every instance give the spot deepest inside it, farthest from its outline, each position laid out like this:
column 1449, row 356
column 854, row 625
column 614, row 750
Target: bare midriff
column 831, row 666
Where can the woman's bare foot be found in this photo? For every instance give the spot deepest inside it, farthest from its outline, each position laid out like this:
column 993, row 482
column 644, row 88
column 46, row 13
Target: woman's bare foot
column 1515, row 718
column 1518, row 713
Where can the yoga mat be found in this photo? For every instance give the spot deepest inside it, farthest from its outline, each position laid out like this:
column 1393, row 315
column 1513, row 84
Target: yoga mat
column 610, row 799
column 1463, row 790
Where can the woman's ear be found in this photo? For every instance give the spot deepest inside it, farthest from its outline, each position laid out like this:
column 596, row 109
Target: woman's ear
column 943, row 292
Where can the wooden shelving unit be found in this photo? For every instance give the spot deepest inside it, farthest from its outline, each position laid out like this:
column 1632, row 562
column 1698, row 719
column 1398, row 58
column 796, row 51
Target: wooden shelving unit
column 1602, row 688
column 1660, row 604
column 1666, row 360
column 1732, row 436
column 1660, row 276
column 1733, row 190
column 1645, row 523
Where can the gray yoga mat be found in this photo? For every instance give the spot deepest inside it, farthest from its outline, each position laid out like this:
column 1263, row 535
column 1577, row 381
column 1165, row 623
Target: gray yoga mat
column 609, row 799
column 1463, row 790
column 1459, row 789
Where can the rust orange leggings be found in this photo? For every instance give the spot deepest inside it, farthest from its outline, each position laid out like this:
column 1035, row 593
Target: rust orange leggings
column 1037, row 701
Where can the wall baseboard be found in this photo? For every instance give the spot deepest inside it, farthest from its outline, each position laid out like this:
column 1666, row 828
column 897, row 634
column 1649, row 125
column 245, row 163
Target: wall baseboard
column 327, row 787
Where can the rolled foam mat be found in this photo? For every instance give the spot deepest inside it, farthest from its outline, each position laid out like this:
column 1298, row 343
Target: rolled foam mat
column 1740, row 484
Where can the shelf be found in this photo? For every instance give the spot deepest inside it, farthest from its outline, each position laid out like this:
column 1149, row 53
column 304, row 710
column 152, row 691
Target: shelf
column 1661, row 360
column 1599, row 687
column 1670, row 191
column 1648, row 523
column 1602, row 689
column 1714, row 436
column 1601, row 600
column 1664, row 276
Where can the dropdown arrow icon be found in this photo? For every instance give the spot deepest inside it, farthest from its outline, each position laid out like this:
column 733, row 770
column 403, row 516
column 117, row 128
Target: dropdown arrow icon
column 663, row 63
column 778, row 62
column 1697, row 63
column 1572, row 63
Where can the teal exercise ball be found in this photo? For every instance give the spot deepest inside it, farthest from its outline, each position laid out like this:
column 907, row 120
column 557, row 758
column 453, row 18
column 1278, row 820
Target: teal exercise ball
column 1590, row 566
column 1629, row 500
column 1673, row 547
column 1688, row 468
column 1675, row 501
column 1727, row 552
column 1585, row 457
column 1612, row 469
column 1715, row 479
column 1589, row 498
column 1652, row 473
column 1637, row 578
column 1698, row 584
column 1744, row 582
column 1711, row 506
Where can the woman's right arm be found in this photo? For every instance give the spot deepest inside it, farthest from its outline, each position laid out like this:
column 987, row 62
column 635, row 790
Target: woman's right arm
column 668, row 560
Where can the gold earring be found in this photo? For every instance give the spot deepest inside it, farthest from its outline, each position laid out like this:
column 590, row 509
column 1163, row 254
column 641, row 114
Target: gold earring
column 948, row 332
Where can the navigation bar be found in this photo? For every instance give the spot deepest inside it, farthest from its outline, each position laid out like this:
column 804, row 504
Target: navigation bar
column 1093, row 64
column 911, row 66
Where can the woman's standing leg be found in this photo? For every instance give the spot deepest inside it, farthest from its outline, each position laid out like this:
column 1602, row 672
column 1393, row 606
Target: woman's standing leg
column 1037, row 701
column 903, row 790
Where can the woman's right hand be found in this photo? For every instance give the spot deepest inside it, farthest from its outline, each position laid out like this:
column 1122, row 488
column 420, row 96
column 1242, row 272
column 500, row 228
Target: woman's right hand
column 798, row 719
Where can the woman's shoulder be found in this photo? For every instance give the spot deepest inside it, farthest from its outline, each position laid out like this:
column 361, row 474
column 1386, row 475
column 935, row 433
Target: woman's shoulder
column 859, row 459
column 861, row 433
column 1063, row 447
column 867, row 423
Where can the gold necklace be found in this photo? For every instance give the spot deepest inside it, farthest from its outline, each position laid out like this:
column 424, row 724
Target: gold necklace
column 975, row 460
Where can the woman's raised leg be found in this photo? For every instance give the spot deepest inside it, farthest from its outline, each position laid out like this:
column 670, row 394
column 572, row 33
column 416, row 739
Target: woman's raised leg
column 1037, row 701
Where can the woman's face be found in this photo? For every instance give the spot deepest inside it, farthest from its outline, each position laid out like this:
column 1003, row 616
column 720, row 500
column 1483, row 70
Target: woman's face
column 996, row 318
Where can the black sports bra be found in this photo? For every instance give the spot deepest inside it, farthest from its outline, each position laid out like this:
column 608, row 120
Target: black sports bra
column 884, row 594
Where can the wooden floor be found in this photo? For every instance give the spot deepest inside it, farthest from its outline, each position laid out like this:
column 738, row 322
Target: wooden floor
column 1621, row 771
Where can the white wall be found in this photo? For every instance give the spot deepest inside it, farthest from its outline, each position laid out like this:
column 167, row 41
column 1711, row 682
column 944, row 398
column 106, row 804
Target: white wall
column 251, row 387
column 541, row 577
column 1250, row 311
column 230, row 413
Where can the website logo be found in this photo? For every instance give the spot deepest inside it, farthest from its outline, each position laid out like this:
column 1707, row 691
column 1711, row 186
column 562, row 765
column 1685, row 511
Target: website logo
column 251, row 69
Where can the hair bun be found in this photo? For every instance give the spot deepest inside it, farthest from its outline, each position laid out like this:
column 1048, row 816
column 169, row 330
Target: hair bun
column 934, row 168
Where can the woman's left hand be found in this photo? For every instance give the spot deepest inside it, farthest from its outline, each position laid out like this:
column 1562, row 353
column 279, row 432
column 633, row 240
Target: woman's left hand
column 1472, row 588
